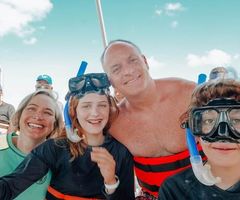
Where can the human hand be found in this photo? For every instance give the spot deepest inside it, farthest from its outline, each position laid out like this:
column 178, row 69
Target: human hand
column 106, row 164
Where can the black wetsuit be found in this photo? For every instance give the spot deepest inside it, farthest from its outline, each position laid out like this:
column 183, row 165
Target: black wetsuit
column 80, row 178
column 185, row 186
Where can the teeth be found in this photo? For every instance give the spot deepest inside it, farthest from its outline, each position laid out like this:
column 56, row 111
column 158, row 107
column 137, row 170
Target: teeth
column 94, row 121
column 35, row 125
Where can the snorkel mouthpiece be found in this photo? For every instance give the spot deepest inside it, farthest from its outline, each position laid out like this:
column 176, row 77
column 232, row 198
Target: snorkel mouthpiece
column 202, row 172
column 72, row 135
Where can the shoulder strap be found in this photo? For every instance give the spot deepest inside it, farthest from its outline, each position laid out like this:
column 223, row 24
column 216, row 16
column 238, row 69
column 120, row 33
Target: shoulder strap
column 3, row 142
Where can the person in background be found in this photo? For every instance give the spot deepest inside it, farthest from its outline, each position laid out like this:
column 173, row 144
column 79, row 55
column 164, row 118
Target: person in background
column 36, row 119
column 218, row 73
column 213, row 117
column 223, row 72
column 85, row 161
column 6, row 112
column 44, row 81
column 148, row 120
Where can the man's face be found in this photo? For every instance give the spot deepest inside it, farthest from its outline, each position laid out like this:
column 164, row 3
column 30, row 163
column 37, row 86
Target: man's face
column 127, row 69
column 42, row 84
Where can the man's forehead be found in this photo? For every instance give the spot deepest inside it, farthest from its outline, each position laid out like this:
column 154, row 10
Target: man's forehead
column 42, row 81
column 119, row 52
column 119, row 46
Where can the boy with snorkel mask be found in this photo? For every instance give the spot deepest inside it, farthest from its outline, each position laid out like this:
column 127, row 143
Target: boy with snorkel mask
column 214, row 119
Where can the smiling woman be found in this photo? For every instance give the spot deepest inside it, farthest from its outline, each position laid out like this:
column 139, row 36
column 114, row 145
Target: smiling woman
column 37, row 117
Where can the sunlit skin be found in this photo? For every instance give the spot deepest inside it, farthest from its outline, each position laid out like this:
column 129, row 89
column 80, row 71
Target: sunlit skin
column 149, row 113
column 223, row 156
column 209, row 118
column 235, row 118
column 92, row 115
column 224, row 159
column 36, row 122
column 43, row 84
column 126, row 69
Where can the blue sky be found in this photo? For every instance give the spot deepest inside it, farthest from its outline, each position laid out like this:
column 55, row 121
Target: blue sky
column 179, row 38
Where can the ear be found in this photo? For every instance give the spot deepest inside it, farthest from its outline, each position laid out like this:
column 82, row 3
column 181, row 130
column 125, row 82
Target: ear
column 145, row 61
column 112, row 84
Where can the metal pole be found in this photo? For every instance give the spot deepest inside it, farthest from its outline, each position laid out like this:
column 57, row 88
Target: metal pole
column 0, row 75
column 101, row 21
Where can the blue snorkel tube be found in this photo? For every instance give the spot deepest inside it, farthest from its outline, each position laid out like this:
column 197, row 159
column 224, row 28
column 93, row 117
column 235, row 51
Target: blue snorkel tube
column 71, row 134
column 202, row 172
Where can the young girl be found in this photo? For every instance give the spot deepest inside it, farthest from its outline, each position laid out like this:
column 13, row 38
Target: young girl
column 92, row 165
column 214, row 118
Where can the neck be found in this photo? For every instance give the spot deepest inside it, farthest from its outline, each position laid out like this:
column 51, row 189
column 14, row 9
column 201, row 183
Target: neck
column 229, row 176
column 25, row 144
column 95, row 139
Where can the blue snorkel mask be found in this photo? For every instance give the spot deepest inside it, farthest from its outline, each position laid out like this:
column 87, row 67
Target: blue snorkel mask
column 79, row 86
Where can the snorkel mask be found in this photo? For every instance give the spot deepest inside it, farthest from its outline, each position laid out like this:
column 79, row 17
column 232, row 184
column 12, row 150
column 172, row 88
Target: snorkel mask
column 218, row 121
column 88, row 83
column 80, row 86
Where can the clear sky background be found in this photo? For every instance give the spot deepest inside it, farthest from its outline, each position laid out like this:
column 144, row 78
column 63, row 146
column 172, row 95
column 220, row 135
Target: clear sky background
column 179, row 38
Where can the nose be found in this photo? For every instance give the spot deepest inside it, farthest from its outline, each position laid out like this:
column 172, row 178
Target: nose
column 128, row 69
column 94, row 111
column 37, row 115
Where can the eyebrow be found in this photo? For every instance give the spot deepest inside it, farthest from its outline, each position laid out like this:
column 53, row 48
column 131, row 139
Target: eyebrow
column 35, row 105
column 103, row 101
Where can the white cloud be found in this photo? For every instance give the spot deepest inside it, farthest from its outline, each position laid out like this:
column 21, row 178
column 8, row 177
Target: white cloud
column 174, row 24
column 16, row 16
column 236, row 56
column 172, row 8
column 214, row 57
column 158, row 12
column 155, row 66
column 30, row 41
column 153, row 62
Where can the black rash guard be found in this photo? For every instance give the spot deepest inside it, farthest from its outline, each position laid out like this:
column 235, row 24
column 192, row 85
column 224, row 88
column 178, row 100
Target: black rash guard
column 185, row 186
column 79, row 178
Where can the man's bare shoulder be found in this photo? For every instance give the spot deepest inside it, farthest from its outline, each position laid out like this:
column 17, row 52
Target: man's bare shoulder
column 173, row 84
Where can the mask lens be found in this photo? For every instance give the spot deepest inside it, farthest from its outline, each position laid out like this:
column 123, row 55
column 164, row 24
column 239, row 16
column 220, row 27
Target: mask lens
column 209, row 119
column 76, row 84
column 203, row 121
column 96, row 82
column 234, row 116
column 100, row 80
column 93, row 82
